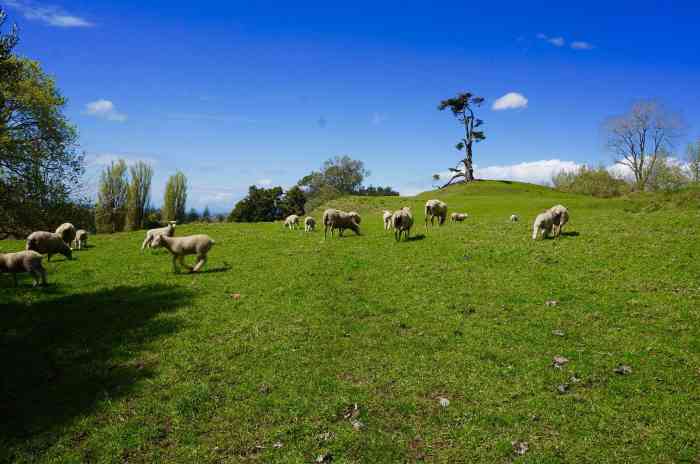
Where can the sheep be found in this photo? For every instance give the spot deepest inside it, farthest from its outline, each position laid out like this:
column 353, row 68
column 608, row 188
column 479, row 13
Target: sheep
column 561, row 217
column 180, row 247
column 168, row 231
column 67, row 232
column 309, row 224
column 24, row 261
column 387, row 219
column 402, row 221
column 81, row 238
column 336, row 219
column 544, row 222
column 355, row 215
column 514, row 218
column 292, row 221
column 48, row 243
column 435, row 209
column 457, row 217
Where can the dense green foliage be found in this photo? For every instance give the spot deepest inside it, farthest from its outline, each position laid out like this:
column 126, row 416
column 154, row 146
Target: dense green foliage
column 139, row 197
column 598, row 182
column 262, row 357
column 175, row 201
column 40, row 167
column 261, row 205
column 111, row 209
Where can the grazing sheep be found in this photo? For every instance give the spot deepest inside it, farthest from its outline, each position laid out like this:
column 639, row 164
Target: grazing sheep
column 292, row 221
column 168, row 231
column 435, row 209
column 309, row 224
column 402, row 221
column 544, row 222
column 335, row 219
column 48, row 243
column 514, row 218
column 355, row 215
column 457, row 217
column 180, row 247
column 24, row 261
column 387, row 219
column 561, row 217
column 81, row 238
column 66, row 232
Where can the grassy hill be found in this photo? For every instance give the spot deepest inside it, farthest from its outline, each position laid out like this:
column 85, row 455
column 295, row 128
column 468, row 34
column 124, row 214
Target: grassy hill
column 120, row 360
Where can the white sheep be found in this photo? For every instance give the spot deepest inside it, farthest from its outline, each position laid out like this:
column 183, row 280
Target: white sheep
column 561, row 217
column 335, row 219
column 81, row 238
column 544, row 223
column 458, row 217
column 386, row 216
column 24, row 261
column 168, row 231
column 514, row 218
column 180, row 247
column 402, row 221
column 292, row 221
column 356, row 216
column 67, row 232
column 309, row 224
column 435, row 209
column 48, row 243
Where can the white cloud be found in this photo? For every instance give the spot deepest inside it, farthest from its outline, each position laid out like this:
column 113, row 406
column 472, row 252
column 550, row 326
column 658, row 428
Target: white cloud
column 580, row 45
column 378, row 118
column 104, row 109
column 509, row 101
column 48, row 14
column 263, row 182
column 536, row 172
column 556, row 41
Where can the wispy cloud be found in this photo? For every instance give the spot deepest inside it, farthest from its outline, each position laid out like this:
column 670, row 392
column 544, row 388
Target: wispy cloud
column 104, row 109
column 48, row 14
column 378, row 118
column 510, row 101
column 556, row 41
column 580, row 45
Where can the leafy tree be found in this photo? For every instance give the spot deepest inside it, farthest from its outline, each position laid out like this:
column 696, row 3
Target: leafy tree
column 206, row 215
column 193, row 215
column 693, row 160
column 293, row 202
column 342, row 173
column 139, row 194
column 261, row 204
column 598, row 182
column 110, row 213
column 462, row 107
column 667, row 176
column 638, row 138
column 373, row 191
column 175, row 198
column 40, row 167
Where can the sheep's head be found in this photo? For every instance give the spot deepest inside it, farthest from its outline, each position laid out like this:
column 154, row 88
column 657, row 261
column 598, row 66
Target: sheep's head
column 157, row 241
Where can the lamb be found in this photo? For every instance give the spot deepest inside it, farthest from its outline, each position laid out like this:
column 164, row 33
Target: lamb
column 292, row 221
column 168, row 231
column 544, row 222
column 180, row 247
column 309, row 224
column 458, row 217
column 435, row 209
column 561, row 217
column 402, row 221
column 355, row 215
column 387, row 219
column 81, row 238
column 514, row 218
column 48, row 243
column 24, row 261
column 67, row 232
column 336, row 219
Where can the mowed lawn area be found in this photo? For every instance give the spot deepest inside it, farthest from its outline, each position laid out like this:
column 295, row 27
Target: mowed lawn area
column 289, row 347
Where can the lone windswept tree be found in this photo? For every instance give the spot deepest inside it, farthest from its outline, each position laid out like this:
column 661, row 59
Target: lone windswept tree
column 462, row 107
column 110, row 213
column 139, row 195
column 175, row 198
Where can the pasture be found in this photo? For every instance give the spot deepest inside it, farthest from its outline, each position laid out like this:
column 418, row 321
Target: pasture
column 288, row 347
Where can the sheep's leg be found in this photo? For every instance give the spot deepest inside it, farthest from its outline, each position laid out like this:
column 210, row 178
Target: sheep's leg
column 176, row 270
column 147, row 241
column 35, row 275
column 42, row 271
column 49, row 257
column 181, row 259
column 14, row 278
column 202, row 259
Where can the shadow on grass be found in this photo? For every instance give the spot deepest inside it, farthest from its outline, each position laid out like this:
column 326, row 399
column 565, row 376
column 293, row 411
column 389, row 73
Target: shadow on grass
column 62, row 355
column 570, row 234
column 415, row 238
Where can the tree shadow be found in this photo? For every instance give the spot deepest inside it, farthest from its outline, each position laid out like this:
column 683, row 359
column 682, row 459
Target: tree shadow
column 60, row 356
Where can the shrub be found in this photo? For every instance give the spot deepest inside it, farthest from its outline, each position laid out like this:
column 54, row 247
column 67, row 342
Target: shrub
column 598, row 182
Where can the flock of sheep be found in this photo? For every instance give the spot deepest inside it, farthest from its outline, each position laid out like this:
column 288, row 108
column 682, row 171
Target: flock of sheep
column 66, row 236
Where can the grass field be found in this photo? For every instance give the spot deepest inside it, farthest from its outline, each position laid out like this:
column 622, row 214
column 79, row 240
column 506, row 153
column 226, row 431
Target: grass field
column 120, row 360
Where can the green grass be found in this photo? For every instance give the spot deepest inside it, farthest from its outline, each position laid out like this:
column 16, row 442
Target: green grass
column 120, row 360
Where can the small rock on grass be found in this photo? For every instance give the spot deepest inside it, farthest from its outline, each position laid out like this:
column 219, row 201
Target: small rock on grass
column 559, row 361
column 623, row 369
column 356, row 424
column 558, row 333
column 444, row 402
column 563, row 388
column 277, row 444
column 325, row 457
column 520, row 447
column 551, row 303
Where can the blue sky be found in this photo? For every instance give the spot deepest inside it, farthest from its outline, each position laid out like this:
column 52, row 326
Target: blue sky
column 238, row 93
